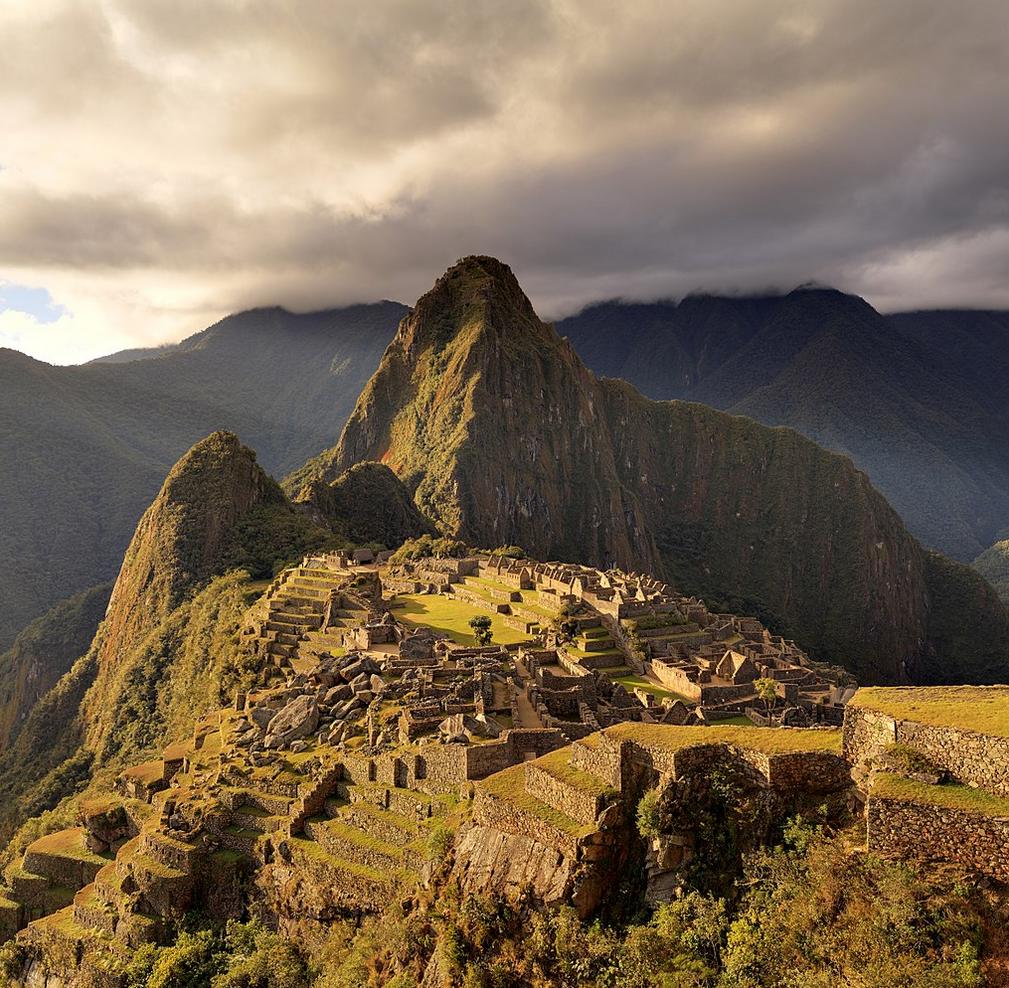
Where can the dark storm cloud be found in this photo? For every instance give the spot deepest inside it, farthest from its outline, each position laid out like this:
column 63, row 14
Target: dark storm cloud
column 318, row 153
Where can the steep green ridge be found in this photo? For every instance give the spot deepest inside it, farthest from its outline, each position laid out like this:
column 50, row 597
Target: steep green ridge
column 216, row 509
column 993, row 565
column 84, row 449
column 505, row 437
column 168, row 648
column 43, row 652
column 917, row 399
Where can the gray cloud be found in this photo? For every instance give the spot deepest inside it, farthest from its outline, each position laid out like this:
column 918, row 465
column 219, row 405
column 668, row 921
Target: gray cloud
column 166, row 161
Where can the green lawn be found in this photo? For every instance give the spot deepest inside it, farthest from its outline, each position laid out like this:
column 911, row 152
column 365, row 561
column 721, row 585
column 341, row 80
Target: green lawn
column 771, row 740
column 659, row 692
column 451, row 617
column 740, row 720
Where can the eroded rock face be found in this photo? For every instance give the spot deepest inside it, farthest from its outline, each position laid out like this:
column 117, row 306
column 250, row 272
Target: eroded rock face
column 512, row 865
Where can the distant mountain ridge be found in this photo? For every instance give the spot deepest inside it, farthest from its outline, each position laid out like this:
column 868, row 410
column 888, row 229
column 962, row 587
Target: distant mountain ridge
column 917, row 399
column 505, row 437
column 84, row 449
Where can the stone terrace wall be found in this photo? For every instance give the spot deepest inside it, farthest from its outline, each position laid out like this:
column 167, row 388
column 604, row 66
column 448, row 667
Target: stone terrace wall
column 975, row 759
column 625, row 763
column 599, row 756
column 489, row 811
column 917, row 832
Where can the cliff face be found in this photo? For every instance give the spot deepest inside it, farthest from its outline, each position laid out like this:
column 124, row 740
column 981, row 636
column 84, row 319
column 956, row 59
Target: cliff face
column 917, row 399
column 504, row 436
column 43, row 652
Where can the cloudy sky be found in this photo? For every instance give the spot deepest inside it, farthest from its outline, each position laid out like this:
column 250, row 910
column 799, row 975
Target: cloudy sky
column 164, row 162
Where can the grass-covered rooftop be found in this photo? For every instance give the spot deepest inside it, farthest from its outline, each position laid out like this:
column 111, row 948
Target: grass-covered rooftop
column 770, row 740
column 984, row 709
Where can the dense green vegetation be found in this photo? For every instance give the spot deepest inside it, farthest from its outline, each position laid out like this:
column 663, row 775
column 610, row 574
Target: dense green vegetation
column 84, row 449
column 808, row 913
column 369, row 506
column 426, row 547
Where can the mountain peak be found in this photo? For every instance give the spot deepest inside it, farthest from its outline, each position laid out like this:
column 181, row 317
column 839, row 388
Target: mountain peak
column 477, row 296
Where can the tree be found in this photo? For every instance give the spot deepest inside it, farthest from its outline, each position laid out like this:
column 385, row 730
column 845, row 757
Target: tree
column 766, row 690
column 482, row 631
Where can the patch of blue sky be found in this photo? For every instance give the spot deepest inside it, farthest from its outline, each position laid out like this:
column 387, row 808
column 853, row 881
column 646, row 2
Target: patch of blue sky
column 36, row 302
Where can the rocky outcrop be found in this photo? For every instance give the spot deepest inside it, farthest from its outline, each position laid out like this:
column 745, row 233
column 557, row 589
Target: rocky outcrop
column 366, row 505
column 504, row 437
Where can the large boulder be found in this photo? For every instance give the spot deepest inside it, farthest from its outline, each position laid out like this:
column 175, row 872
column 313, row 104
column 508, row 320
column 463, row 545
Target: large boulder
column 295, row 721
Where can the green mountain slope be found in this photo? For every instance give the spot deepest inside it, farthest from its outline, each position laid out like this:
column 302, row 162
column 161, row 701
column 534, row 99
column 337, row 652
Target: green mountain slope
column 503, row 436
column 918, row 400
column 84, row 449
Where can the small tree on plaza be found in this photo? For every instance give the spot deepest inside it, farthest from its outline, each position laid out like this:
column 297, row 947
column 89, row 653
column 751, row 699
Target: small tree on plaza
column 766, row 690
column 482, row 631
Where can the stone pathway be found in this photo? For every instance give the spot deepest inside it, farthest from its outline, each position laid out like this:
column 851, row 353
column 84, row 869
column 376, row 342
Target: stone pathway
column 527, row 714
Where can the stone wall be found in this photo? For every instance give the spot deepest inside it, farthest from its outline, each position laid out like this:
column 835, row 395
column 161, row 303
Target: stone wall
column 675, row 679
column 582, row 805
column 927, row 832
column 599, row 756
column 974, row 759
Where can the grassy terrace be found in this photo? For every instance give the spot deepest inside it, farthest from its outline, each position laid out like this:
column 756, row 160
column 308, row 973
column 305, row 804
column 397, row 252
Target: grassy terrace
column 509, row 786
column 451, row 617
column 316, row 852
column 146, row 772
column 558, row 764
column 984, row 709
column 67, row 844
column 954, row 797
column 770, row 740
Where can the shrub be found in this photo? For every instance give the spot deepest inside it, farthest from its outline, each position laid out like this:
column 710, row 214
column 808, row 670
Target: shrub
column 648, row 814
column 428, row 547
column 439, row 843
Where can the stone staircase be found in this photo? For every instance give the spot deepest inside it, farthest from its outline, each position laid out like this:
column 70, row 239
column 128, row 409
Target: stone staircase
column 296, row 605
column 595, row 649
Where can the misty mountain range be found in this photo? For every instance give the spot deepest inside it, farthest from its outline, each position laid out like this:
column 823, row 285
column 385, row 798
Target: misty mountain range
column 918, row 400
